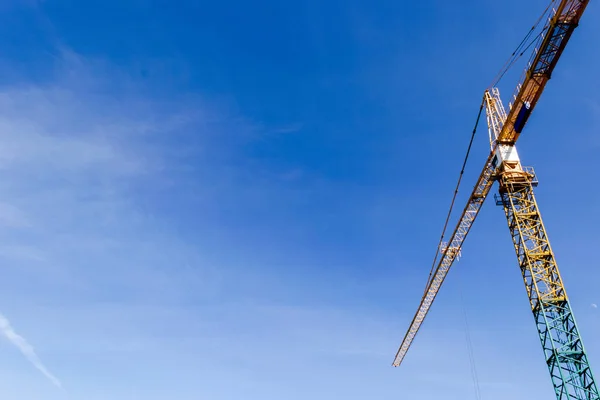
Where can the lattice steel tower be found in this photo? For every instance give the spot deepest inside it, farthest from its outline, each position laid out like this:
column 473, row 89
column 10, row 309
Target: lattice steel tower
column 562, row 345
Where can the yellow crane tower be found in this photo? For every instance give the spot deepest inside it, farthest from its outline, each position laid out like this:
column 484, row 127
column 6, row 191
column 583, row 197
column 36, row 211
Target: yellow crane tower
column 562, row 345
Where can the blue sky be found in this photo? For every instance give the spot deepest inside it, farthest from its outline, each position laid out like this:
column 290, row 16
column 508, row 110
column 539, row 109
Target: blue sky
column 241, row 200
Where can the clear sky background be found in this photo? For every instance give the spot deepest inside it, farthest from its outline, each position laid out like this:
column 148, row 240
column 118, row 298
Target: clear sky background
column 241, row 200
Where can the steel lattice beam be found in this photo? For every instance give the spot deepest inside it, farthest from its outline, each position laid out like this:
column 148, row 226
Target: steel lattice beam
column 563, row 348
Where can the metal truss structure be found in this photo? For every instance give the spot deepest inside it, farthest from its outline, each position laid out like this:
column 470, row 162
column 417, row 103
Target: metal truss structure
column 565, row 356
column 563, row 348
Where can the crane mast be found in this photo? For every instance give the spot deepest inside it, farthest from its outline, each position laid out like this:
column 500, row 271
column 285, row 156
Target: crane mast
column 565, row 356
column 562, row 345
column 563, row 348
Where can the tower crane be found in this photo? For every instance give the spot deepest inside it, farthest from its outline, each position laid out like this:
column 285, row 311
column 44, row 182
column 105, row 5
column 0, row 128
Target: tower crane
column 562, row 345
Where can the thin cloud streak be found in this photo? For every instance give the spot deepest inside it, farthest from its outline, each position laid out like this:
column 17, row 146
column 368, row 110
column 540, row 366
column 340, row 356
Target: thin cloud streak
column 26, row 349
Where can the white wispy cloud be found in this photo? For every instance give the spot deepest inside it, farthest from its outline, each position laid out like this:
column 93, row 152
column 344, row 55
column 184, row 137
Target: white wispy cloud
column 25, row 348
column 594, row 305
column 80, row 166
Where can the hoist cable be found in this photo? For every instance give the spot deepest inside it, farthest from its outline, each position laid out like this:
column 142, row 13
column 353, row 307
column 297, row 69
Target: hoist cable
column 462, row 171
column 514, row 57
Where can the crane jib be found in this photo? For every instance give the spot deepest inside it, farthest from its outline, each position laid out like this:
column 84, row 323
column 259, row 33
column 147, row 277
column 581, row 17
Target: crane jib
column 541, row 67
